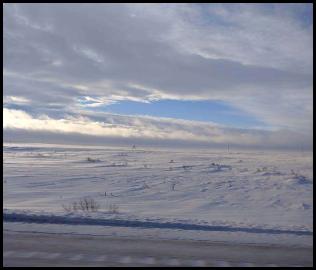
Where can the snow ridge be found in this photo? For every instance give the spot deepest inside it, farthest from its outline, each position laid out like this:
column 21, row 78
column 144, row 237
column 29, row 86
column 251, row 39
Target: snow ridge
column 51, row 219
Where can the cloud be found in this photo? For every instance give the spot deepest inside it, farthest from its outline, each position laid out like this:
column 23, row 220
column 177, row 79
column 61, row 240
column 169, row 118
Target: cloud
column 146, row 130
column 62, row 58
column 15, row 100
column 252, row 34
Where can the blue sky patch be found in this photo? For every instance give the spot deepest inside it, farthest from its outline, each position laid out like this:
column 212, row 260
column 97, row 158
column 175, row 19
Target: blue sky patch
column 206, row 111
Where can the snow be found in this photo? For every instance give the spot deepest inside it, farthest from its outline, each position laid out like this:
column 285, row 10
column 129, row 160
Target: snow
column 258, row 192
column 165, row 234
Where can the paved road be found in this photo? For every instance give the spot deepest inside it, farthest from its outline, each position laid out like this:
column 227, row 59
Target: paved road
column 41, row 249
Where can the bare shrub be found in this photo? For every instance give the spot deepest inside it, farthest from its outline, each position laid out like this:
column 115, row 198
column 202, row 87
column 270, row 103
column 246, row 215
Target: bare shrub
column 145, row 186
column 89, row 159
column 113, row 208
column 173, row 186
column 67, row 208
column 84, row 204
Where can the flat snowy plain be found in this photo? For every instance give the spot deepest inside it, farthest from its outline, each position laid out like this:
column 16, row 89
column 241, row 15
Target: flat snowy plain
column 243, row 196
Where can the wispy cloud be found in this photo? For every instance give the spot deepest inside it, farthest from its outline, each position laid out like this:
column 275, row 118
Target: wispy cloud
column 146, row 130
column 62, row 58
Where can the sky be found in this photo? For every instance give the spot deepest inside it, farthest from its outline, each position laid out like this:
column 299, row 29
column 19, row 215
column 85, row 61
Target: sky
column 200, row 75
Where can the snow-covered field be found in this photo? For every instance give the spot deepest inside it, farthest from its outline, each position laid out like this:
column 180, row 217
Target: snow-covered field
column 247, row 191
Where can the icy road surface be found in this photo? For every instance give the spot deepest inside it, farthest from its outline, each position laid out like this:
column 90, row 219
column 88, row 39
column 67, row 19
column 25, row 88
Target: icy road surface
column 38, row 249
